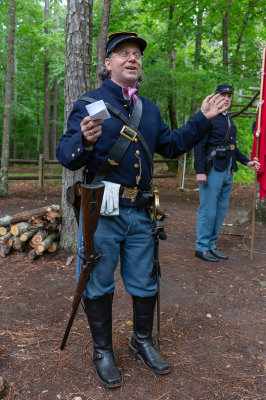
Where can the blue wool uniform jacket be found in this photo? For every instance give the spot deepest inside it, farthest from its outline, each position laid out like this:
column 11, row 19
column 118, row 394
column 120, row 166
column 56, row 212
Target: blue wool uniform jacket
column 158, row 136
column 215, row 138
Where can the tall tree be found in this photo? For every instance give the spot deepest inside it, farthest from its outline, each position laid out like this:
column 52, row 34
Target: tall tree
column 38, row 128
column 101, row 42
column 249, row 9
column 172, row 107
column 226, row 17
column 78, row 46
column 54, row 115
column 54, row 104
column 46, row 114
column 14, row 117
column 8, row 97
column 198, row 41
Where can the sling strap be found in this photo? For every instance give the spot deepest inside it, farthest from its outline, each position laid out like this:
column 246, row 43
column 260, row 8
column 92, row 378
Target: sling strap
column 228, row 130
column 128, row 134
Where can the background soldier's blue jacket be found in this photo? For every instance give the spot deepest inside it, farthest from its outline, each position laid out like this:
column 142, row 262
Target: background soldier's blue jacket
column 215, row 138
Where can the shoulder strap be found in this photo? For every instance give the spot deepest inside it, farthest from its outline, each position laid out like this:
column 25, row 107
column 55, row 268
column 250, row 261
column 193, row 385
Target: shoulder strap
column 128, row 134
column 228, row 130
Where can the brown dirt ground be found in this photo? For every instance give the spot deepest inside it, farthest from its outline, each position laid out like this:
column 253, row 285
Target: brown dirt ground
column 212, row 315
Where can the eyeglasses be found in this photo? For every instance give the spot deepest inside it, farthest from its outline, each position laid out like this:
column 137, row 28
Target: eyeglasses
column 126, row 54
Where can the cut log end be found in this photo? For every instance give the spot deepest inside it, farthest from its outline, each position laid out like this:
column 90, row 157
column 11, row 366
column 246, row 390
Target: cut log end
column 19, row 228
column 3, row 230
column 44, row 245
column 37, row 228
column 54, row 246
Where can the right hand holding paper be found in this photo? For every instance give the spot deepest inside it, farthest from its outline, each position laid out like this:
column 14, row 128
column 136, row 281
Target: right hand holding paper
column 97, row 110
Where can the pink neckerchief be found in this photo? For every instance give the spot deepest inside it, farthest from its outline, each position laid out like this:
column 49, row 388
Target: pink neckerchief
column 131, row 92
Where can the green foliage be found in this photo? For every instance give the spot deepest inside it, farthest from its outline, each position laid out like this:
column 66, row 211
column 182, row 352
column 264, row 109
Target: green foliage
column 30, row 47
column 186, row 80
column 244, row 174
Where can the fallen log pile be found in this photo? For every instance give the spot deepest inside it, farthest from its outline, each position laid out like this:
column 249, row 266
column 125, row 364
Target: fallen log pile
column 35, row 232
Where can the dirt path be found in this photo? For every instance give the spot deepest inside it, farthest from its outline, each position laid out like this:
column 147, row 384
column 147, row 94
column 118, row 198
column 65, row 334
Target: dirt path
column 212, row 322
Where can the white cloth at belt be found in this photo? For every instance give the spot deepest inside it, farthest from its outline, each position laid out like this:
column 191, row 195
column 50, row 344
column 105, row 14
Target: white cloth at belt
column 110, row 203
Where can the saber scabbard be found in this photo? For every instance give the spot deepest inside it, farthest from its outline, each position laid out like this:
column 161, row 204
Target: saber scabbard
column 158, row 234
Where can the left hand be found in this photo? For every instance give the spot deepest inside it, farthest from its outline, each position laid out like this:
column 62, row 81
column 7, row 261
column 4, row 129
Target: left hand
column 253, row 165
column 213, row 105
column 201, row 178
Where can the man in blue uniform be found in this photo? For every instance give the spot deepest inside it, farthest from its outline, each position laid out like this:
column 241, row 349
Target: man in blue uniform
column 215, row 185
column 124, row 229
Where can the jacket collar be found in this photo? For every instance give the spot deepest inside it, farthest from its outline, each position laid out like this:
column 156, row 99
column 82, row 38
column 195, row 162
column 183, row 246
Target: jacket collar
column 116, row 89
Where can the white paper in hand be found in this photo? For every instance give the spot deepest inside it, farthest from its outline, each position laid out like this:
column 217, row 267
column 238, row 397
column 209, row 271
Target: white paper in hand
column 97, row 110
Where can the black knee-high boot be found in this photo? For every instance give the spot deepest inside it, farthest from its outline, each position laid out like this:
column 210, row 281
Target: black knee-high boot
column 99, row 314
column 141, row 345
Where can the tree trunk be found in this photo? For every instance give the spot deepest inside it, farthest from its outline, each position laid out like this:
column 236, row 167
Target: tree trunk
column 198, row 39
column 172, row 107
column 53, row 128
column 251, row 4
column 14, row 118
column 101, row 42
column 46, row 123
column 78, row 46
column 226, row 18
column 38, row 120
column 8, row 98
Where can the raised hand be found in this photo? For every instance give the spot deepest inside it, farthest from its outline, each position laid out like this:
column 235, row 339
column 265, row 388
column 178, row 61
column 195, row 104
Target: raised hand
column 213, row 105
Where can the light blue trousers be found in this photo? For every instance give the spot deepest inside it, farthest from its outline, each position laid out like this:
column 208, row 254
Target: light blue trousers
column 214, row 199
column 127, row 236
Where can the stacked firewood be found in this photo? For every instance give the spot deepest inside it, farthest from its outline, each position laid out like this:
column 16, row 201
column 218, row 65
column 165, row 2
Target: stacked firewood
column 36, row 232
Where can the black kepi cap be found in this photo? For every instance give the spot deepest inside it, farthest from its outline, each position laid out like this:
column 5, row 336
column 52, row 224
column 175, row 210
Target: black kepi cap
column 224, row 89
column 114, row 39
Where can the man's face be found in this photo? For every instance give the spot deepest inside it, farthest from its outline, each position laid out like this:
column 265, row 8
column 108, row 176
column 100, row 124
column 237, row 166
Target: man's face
column 125, row 64
column 228, row 97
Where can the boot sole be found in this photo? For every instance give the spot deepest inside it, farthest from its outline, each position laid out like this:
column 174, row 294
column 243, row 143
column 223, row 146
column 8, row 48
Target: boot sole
column 136, row 355
column 109, row 385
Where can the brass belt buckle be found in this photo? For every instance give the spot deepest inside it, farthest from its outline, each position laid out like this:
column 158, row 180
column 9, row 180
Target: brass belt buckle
column 130, row 193
column 232, row 147
column 123, row 133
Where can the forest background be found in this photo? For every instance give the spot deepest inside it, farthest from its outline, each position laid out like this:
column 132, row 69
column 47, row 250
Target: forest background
column 192, row 47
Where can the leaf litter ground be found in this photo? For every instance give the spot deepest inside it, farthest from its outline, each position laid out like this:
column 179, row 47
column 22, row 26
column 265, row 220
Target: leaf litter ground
column 212, row 314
